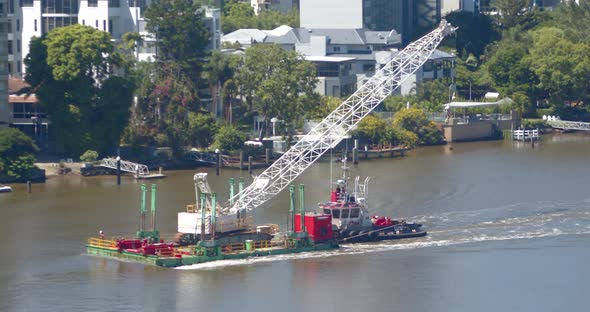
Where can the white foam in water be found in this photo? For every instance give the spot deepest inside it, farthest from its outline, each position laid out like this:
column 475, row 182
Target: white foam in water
column 543, row 220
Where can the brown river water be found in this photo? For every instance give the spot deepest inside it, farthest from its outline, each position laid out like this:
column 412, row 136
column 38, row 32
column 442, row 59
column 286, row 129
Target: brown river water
column 509, row 229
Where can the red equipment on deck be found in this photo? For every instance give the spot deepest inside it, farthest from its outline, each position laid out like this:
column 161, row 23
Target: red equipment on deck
column 319, row 226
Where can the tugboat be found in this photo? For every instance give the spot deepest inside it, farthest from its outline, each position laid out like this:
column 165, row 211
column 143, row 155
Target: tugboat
column 351, row 221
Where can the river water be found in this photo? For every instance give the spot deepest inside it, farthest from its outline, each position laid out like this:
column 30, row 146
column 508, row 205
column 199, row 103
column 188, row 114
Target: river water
column 509, row 229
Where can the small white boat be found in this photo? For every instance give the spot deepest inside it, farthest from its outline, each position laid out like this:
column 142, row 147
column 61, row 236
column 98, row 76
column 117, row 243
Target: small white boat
column 5, row 189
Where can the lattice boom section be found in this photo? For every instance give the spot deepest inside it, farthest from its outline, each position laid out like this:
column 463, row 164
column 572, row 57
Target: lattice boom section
column 337, row 124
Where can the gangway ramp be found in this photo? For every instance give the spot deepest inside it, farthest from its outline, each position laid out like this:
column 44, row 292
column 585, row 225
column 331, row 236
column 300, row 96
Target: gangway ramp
column 139, row 171
column 569, row 125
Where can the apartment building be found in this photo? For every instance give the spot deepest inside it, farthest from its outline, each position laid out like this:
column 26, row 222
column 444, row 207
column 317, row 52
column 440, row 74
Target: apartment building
column 3, row 64
column 29, row 18
column 410, row 18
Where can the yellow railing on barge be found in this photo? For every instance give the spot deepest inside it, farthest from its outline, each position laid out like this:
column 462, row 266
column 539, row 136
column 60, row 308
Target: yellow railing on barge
column 101, row 243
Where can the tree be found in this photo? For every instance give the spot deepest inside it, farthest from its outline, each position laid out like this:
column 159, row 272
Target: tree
column 203, row 128
column 510, row 71
column 574, row 19
column 17, row 151
column 513, row 12
column 563, row 67
column 327, row 105
column 181, row 33
column 278, row 83
column 229, row 139
column 70, row 71
column 414, row 120
column 372, row 129
column 474, row 32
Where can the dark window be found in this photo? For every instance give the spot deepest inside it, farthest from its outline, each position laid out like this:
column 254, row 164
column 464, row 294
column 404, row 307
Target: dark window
column 9, row 26
column 10, row 47
column 10, row 68
column 1, row 8
column 96, row 24
column 336, row 213
column 26, row 3
column 18, row 67
column 83, row 22
column 327, row 211
column 114, row 3
column 345, row 213
column 354, row 213
column 94, row 4
column 111, row 26
column 35, row 25
column 10, row 6
column 17, row 25
column 18, row 45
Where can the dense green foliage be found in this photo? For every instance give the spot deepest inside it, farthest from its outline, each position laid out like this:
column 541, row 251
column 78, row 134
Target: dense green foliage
column 70, row 71
column 410, row 128
column 89, row 156
column 202, row 127
column 17, row 153
column 277, row 84
column 237, row 15
column 229, row 139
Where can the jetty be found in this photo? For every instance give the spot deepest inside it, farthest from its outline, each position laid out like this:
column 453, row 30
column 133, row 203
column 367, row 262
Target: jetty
column 139, row 171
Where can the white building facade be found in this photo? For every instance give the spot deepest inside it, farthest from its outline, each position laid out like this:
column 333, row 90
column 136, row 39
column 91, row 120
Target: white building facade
column 29, row 18
column 3, row 64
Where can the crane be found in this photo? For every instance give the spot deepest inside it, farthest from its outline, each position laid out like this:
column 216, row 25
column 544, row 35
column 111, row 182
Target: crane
column 333, row 128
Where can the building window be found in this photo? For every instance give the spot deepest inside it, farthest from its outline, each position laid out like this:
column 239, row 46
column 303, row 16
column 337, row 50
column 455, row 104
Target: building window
column 1, row 8
column 35, row 25
column 10, row 7
column 111, row 26
column 104, row 25
column 10, row 47
column 18, row 45
column 9, row 68
column 17, row 25
column 9, row 24
column 336, row 49
column 114, row 3
column 93, row 3
column 83, row 22
column 18, row 67
column 96, row 24
column 26, row 3
column 49, row 23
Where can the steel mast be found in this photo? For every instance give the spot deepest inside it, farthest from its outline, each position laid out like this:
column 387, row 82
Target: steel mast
column 330, row 131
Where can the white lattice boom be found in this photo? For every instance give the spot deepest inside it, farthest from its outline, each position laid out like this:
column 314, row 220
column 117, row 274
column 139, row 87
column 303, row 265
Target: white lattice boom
column 330, row 131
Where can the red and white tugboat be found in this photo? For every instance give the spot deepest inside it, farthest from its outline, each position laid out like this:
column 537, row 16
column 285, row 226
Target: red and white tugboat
column 351, row 219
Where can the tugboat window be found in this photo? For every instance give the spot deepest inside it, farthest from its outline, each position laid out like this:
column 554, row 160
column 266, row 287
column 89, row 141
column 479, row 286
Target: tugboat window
column 354, row 213
column 336, row 213
column 326, row 211
column 345, row 213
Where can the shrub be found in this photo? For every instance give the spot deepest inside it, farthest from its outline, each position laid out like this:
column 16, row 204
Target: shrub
column 89, row 156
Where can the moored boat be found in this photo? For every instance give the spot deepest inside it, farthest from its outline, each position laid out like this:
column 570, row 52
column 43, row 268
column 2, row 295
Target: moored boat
column 351, row 220
column 5, row 189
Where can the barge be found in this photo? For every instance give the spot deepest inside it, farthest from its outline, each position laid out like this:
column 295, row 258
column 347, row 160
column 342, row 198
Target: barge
column 311, row 233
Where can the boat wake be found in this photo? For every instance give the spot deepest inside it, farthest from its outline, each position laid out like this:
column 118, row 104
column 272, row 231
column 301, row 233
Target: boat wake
column 512, row 222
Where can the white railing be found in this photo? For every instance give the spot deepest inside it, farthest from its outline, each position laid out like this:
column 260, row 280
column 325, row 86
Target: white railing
column 523, row 135
column 127, row 166
column 569, row 125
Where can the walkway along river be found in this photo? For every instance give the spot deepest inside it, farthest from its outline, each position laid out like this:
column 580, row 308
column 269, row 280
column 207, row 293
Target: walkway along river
column 509, row 229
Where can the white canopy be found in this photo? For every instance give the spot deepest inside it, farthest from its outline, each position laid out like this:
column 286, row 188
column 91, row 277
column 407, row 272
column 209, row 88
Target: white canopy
column 476, row 104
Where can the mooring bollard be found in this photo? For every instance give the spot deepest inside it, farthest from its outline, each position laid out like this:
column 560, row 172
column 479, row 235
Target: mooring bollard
column 267, row 155
column 29, row 186
column 241, row 160
column 250, row 164
column 217, row 161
